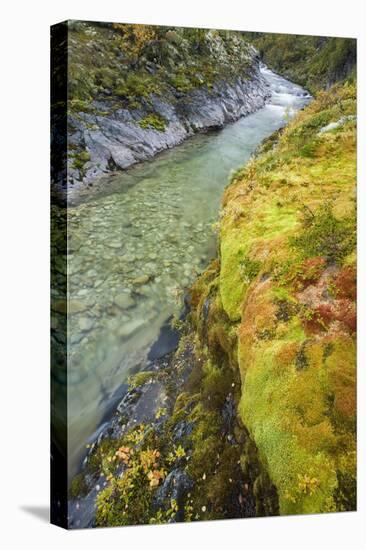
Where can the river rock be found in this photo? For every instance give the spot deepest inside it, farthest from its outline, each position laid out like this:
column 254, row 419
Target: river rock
column 129, row 328
column 114, row 244
column 142, row 280
column 129, row 258
column 75, row 338
column 85, row 324
column 83, row 292
column 124, row 300
column 75, row 306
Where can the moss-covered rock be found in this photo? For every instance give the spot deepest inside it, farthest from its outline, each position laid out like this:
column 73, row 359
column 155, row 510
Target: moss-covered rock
column 287, row 242
column 153, row 122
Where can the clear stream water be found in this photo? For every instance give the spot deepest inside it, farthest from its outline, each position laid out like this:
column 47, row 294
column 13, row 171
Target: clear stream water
column 132, row 251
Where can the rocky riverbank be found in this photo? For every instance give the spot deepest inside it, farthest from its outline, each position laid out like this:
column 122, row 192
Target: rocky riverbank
column 123, row 110
column 120, row 139
column 172, row 450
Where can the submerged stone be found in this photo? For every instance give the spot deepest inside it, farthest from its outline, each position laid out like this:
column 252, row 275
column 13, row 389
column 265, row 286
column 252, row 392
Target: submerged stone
column 129, row 328
column 85, row 324
column 142, row 280
column 124, row 301
column 75, row 306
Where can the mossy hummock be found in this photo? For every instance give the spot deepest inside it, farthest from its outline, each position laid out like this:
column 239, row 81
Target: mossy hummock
column 289, row 215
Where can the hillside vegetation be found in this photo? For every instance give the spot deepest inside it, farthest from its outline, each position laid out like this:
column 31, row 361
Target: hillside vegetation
column 125, row 63
column 315, row 62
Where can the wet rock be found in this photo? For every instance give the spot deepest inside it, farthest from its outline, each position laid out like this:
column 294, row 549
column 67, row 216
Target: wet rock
column 166, row 342
column 182, row 429
column 229, row 414
column 129, row 258
column 114, row 244
column 124, row 300
column 153, row 398
column 129, row 328
column 142, row 280
column 176, row 485
column 75, row 306
column 85, row 324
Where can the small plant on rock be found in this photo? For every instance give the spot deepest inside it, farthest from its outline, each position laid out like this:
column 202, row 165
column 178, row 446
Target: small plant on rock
column 153, row 122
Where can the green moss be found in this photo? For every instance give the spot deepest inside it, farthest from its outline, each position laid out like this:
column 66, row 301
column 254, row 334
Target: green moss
column 80, row 106
column 309, row 150
column 325, row 235
column 95, row 460
column 153, row 122
column 181, row 82
column 139, row 379
column 232, row 286
column 136, row 85
column 249, row 269
column 79, row 159
column 215, row 385
column 125, row 501
column 297, row 407
column 237, row 266
column 288, row 461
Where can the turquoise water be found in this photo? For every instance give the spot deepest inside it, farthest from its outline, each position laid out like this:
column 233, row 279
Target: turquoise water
column 133, row 250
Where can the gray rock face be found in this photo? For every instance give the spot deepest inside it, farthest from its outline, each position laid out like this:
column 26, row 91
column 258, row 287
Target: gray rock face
column 116, row 141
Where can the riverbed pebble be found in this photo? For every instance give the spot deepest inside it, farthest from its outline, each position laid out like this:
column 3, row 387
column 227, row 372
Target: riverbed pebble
column 124, row 300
